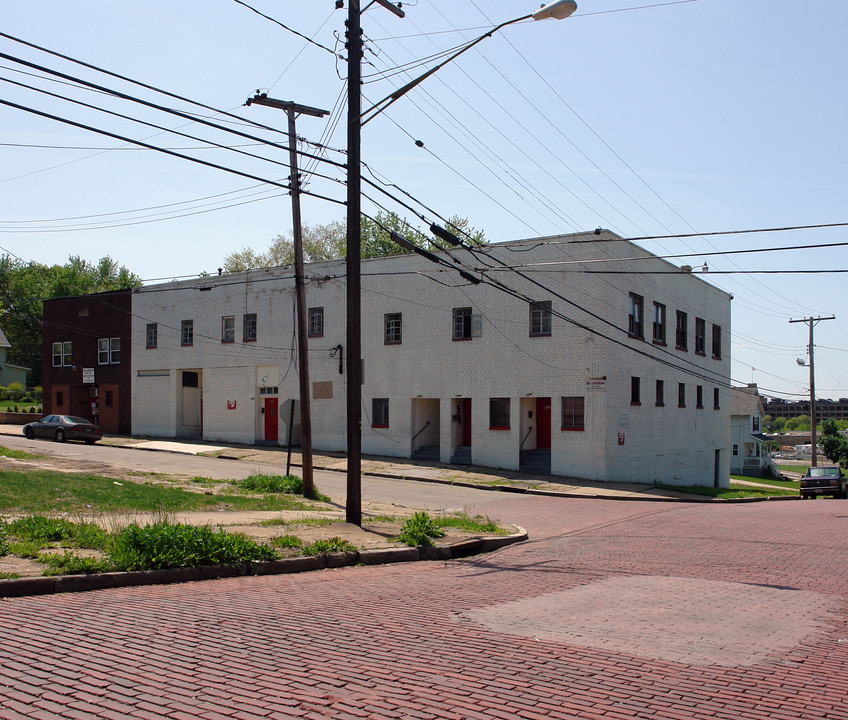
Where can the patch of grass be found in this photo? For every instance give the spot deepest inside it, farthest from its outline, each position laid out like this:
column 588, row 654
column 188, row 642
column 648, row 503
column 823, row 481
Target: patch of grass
column 320, row 547
column 800, row 469
column 419, row 530
column 70, row 564
column 165, row 545
column 727, row 494
column 200, row 480
column 17, row 454
column 40, row 491
column 4, row 538
column 25, row 549
column 311, row 522
column 43, row 530
column 286, row 541
column 788, row 484
column 286, row 484
column 9, row 576
column 476, row 524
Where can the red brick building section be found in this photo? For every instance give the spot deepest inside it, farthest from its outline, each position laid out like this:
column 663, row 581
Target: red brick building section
column 87, row 358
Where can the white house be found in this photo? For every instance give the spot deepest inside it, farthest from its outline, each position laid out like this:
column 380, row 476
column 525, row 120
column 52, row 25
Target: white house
column 746, row 432
column 10, row 373
column 599, row 361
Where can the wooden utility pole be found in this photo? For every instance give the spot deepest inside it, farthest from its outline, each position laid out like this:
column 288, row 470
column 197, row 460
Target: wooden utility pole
column 292, row 111
column 813, row 439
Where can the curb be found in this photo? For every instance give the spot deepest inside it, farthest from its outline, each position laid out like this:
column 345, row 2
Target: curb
column 25, row 587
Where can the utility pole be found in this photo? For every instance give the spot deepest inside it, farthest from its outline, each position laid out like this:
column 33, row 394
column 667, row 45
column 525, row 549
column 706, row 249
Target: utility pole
column 292, row 110
column 813, row 440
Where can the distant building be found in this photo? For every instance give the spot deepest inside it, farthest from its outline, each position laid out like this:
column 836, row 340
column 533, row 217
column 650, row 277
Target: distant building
column 825, row 409
column 746, row 432
column 10, row 373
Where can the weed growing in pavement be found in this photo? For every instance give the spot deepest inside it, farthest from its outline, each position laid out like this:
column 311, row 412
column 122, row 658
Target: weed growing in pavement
column 165, row 545
column 336, row 544
column 289, row 522
column 9, row 576
column 419, row 530
column 70, row 564
column 4, row 538
column 286, row 541
column 476, row 524
column 43, row 530
column 25, row 549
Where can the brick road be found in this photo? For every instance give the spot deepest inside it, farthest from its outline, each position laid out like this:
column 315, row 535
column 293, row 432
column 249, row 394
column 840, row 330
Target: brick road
column 611, row 610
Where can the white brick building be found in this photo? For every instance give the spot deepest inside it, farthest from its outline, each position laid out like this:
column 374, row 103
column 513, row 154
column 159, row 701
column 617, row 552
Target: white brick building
column 617, row 377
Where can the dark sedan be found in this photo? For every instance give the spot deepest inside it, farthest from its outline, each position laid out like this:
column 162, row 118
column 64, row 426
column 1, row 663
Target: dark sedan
column 825, row 480
column 63, row 427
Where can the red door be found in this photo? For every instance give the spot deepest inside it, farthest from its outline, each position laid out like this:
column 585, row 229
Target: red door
column 466, row 421
column 543, row 422
column 271, row 419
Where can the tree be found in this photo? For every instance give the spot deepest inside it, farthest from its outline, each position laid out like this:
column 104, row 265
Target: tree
column 802, row 422
column 774, row 424
column 834, row 443
column 23, row 286
column 329, row 242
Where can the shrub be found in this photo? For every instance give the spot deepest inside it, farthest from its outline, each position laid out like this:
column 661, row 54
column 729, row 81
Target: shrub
column 38, row 392
column 40, row 530
column 418, row 530
column 165, row 544
column 15, row 391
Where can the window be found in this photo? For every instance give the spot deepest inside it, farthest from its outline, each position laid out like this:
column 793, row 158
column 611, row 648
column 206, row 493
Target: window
column 635, row 391
column 393, row 327
column 700, row 336
column 635, row 325
column 717, row 342
column 735, row 449
column 60, row 398
column 462, row 323
column 152, row 335
column 659, row 323
column 682, row 332
column 110, row 398
column 316, row 322
column 269, row 390
column 62, row 354
column 380, row 412
column 755, row 423
column 228, row 329
column 248, row 327
column 499, row 414
column 187, row 333
column 681, row 395
column 109, row 351
column 573, row 413
column 540, row 318
column 716, row 405
column 699, row 397
column 660, row 402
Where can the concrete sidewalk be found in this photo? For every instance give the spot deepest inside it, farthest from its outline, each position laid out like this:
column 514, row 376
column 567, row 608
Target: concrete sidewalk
column 403, row 468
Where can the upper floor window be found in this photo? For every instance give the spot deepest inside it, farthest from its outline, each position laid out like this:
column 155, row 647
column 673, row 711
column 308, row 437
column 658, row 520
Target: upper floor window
column 152, row 335
column 462, row 323
column 109, row 351
column 681, row 395
column 700, row 336
column 635, row 391
column 755, row 423
column 699, row 397
column 248, row 327
column 573, row 413
column 659, row 323
column 716, row 405
column 316, row 322
column 717, row 342
column 187, row 333
column 380, row 412
column 635, row 326
column 228, row 329
column 682, row 332
column 499, row 414
column 660, row 401
column 62, row 354
column 393, row 328
column 540, row 318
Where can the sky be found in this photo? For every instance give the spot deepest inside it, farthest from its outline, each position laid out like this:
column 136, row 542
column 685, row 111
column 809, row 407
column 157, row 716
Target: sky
column 692, row 118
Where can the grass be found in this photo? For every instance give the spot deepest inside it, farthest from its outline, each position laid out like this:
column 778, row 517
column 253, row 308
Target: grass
column 477, row 524
column 419, row 530
column 17, row 454
column 278, row 484
column 41, row 491
column 786, row 484
column 800, row 469
column 728, row 494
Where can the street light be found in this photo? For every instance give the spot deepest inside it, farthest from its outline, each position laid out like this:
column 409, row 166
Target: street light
column 557, row 9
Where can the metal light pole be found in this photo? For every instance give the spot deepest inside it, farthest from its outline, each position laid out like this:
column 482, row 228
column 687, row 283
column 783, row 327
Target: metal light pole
column 558, row 9
column 292, row 111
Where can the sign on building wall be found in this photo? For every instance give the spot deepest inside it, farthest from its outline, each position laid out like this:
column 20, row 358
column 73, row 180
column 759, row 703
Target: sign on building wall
column 88, row 375
column 231, row 404
column 597, row 383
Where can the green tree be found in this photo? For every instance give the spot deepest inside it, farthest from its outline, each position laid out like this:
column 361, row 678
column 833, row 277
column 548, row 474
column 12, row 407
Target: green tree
column 329, row 242
column 834, row 444
column 802, row 422
column 23, row 286
column 774, row 424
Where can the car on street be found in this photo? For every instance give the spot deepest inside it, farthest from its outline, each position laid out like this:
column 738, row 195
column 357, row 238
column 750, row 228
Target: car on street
column 823, row 480
column 63, row 427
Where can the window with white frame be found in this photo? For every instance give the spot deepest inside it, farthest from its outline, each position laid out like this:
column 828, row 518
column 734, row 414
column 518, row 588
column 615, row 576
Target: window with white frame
column 187, row 333
column 152, row 335
column 248, row 327
column 462, row 323
column 393, row 328
column 700, row 336
column 659, row 323
column 540, row 318
column 228, row 329
column 573, row 413
column 635, row 323
column 109, row 351
column 717, row 342
column 315, row 322
column 62, row 354
column 682, row 331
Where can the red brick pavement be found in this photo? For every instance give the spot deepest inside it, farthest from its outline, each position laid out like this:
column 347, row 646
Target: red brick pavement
column 403, row 641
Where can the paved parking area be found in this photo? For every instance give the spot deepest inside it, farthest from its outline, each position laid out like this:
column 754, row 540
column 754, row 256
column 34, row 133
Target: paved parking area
column 611, row 610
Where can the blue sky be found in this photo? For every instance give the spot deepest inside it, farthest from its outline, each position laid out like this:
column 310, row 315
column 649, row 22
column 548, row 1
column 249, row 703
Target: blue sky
column 686, row 117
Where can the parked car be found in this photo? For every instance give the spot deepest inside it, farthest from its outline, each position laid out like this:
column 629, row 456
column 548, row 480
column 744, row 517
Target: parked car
column 823, row 480
column 63, row 427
